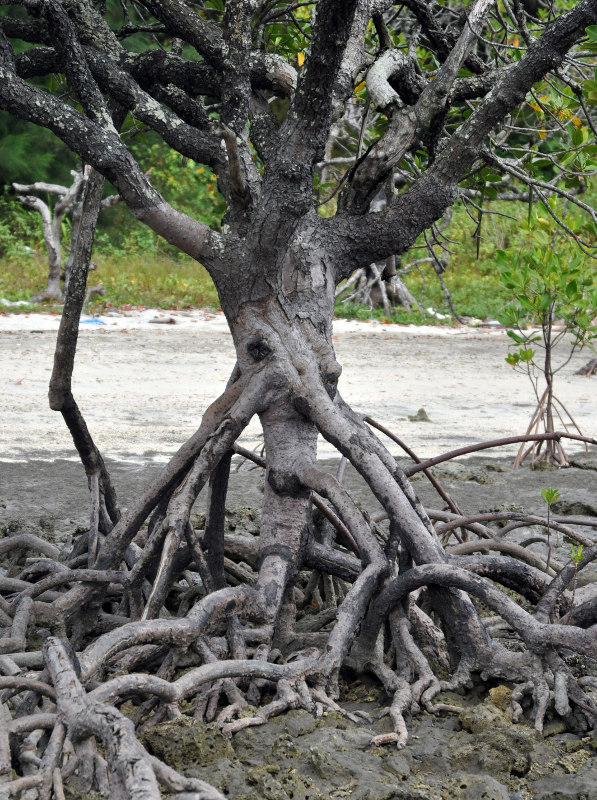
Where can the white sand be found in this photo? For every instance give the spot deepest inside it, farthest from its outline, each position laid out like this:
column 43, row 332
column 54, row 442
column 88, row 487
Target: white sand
column 143, row 386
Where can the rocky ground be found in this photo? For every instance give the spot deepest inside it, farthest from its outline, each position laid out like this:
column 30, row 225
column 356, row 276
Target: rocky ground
column 476, row 755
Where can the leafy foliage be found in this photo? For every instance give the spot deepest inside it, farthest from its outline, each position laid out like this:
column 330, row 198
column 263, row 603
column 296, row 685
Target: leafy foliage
column 553, row 310
column 576, row 554
column 29, row 153
column 547, row 285
column 20, row 231
column 191, row 187
column 550, row 496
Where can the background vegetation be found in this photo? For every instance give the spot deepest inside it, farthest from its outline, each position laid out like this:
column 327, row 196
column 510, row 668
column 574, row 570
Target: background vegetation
column 137, row 268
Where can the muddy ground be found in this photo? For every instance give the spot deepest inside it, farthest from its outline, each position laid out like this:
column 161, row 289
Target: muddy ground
column 143, row 387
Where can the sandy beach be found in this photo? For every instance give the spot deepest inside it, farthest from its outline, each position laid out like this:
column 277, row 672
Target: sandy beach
column 144, row 378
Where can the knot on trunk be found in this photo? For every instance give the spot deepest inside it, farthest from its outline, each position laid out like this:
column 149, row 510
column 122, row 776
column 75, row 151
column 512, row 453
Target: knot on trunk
column 258, row 349
column 286, row 483
column 330, row 371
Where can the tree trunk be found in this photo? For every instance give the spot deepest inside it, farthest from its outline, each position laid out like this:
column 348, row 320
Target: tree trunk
column 284, row 335
column 159, row 608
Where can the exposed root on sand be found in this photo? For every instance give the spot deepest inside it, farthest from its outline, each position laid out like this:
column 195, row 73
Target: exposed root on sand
column 233, row 630
column 147, row 617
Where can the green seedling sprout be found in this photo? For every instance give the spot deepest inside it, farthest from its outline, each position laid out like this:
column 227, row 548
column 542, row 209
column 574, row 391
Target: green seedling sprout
column 576, row 557
column 549, row 496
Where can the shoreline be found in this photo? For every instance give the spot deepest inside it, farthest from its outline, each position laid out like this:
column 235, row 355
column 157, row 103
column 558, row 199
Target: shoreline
column 134, row 318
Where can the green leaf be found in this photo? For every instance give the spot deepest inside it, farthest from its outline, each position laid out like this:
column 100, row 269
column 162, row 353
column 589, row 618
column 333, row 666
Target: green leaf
column 567, row 158
column 543, row 223
column 576, row 553
column 527, row 304
column 579, row 136
column 518, row 339
column 550, row 495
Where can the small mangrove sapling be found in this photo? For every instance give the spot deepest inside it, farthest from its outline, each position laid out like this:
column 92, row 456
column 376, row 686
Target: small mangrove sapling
column 576, row 557
column 553, row 308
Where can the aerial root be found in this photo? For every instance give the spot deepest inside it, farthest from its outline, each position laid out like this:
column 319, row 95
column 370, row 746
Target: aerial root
column 402, row 702
column 550, row 682
column 323, row 702
column 208, row 701
column 17, row 638
column 191, row 640
column 295, row 694
column 409, row 694
column 127, row 772
column 184, row 788
column 286, row 697
column 554, row 685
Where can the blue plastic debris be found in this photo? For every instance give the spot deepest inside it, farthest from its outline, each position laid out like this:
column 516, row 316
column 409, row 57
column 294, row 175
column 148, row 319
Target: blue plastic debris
column 92, row 321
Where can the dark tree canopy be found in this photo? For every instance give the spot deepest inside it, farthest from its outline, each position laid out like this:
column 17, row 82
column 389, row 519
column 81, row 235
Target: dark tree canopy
column 419, row 102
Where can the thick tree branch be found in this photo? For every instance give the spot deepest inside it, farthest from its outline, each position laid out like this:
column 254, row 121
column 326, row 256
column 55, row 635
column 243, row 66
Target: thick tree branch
column 406, row 125
column 27, row 29
column 268, row 72
column 92, row 28
column 104, row 150
column 73, row 63
column 428, row 14
column 186, row 139
column 182, row 21
column 309, row 118
column 375, row 236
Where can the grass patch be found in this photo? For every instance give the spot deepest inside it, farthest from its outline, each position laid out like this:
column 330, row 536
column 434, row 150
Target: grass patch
column 21, row 279
column 153, row 281
column 157, row 281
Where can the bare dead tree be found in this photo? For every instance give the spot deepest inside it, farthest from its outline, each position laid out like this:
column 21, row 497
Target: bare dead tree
column 69, row 202
column 123, row 598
